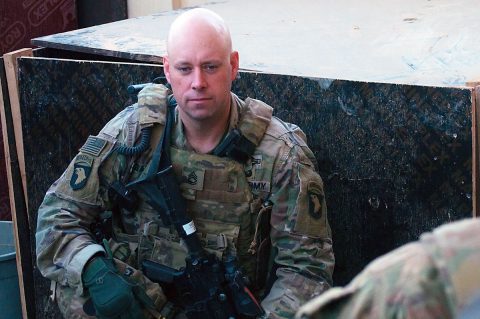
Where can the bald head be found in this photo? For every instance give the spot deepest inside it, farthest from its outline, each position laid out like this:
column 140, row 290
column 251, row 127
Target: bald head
column 198, row 24
column 201, row 66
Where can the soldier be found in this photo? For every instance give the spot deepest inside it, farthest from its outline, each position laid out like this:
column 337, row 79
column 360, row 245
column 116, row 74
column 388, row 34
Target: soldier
column 435, row 277
column 262, row 201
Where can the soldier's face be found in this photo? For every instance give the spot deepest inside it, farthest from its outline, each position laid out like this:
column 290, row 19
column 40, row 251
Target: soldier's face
column 201, row 68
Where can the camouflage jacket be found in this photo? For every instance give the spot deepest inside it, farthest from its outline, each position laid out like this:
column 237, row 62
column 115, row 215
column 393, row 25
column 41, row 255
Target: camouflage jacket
column 436, row 277
column 281, row 171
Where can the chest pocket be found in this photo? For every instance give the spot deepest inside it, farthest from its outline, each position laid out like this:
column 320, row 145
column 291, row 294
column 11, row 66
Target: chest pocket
column 219, row 238
column 162, row 245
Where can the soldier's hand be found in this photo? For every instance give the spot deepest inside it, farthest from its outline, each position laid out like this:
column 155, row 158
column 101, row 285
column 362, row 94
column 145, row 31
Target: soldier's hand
column 113, row 295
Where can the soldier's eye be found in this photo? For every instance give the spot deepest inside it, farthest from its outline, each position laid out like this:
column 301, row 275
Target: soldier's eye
column 210, row 67
column 184, row 69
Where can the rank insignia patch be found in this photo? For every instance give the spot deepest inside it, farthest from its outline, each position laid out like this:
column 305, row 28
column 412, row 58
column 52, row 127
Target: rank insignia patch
column 193, row 178
column 315, row 199
column 81, row 171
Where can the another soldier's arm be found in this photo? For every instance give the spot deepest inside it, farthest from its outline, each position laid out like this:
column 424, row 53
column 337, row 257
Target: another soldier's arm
column 300, row 234
column 377, row 291
column 435, row 277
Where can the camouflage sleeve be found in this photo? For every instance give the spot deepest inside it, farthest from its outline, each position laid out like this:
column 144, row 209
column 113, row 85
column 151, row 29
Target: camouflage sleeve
column 436, row 277
column 64, row 243
column 300, row 233
column 63, row 239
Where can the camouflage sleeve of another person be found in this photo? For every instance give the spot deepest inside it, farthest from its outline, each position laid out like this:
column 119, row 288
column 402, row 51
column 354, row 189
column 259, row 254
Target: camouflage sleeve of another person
column 436, row 277
column 300, row 231
column 63, row 239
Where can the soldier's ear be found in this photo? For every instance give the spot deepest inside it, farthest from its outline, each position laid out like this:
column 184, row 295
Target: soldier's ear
column 234, row 63
column 166, row 68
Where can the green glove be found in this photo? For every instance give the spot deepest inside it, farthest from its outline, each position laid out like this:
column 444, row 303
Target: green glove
column 113, row 295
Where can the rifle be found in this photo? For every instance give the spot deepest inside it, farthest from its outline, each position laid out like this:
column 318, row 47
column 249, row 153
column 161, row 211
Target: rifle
column 206, row 287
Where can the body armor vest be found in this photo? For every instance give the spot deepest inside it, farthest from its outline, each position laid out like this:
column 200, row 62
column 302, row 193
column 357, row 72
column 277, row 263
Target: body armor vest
column 230, row 218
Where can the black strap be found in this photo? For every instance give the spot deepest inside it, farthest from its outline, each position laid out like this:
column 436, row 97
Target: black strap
column 161, row 157
column 236, row 146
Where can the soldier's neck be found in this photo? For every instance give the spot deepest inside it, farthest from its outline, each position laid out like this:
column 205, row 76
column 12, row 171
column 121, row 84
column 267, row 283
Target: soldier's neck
column 204, row 137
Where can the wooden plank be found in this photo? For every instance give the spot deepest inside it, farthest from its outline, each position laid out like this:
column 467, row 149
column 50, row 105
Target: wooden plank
column 476, row 150
column 10, row 60
column 21, row 227
column 431, row 43
column 472, row 84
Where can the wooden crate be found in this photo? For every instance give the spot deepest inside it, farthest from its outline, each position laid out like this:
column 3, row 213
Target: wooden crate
column 396, row 159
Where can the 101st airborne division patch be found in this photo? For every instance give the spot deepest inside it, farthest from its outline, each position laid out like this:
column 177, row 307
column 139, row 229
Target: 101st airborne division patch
column 315, row 199
column 81, row 171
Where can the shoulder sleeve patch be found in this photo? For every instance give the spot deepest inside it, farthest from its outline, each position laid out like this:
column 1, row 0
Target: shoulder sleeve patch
column 82, row 168
column 315, row 200
column 311, row 209
column 93, row 146
column 80, row 181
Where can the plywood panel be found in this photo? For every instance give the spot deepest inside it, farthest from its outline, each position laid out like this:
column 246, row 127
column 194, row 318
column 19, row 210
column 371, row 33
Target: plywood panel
column 11, row 70
column 16, row 177
column 398, row 41
column 16, row 202
column 396, row 159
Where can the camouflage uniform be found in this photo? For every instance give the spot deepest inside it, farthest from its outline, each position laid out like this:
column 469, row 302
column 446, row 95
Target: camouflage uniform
column 228, row 201
column 436, row 277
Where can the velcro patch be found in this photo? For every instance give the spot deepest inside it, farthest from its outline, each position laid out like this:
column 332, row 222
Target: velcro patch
column 315, row 199
column 310, row 212
column 259, row 186
column 193, row 178
column 93, row 146
column 81, row 171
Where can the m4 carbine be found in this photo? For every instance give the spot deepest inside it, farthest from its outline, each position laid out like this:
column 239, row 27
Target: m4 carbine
column 206, row 287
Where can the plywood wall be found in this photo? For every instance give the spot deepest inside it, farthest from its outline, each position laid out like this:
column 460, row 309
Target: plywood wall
column 396, row 159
